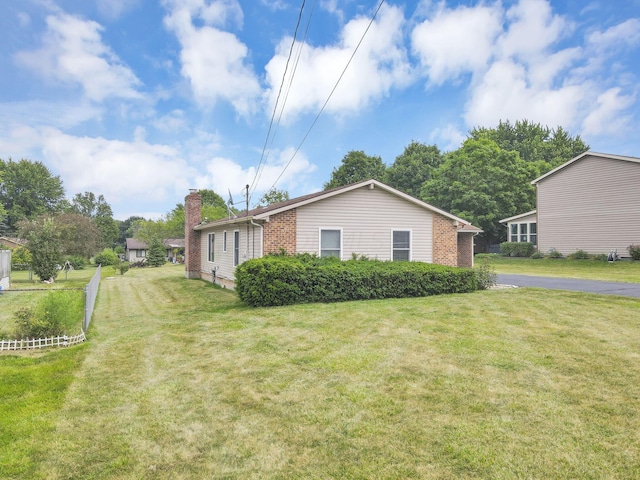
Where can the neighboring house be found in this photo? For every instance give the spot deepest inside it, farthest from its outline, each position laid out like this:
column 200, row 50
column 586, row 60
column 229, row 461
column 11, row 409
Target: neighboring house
column 522, row 228
column 137, row 251
column 367, row 218
column 12, row 243
column 590, row 203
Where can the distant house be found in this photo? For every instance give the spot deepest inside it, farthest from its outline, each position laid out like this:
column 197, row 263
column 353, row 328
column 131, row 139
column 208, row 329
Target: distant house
column 366, row 218
column 522, row 228
column 136, row 251
column 12, row 243
column 590, row 203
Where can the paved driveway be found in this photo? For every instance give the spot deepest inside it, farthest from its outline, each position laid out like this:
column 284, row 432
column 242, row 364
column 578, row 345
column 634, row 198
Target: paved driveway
column 592, row 286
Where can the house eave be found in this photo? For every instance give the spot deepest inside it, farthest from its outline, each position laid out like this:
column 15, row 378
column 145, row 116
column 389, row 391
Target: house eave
column 516, row 217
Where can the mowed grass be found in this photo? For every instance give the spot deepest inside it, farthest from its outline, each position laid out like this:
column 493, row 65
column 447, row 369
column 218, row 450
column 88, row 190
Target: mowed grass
column 621, row 271
column 179, row 380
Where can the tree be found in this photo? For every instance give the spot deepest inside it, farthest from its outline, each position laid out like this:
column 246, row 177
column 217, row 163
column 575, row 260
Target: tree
column 28, row 189
column 273, row 196
column 97, row 208
column 79, row 235
column 482, row 183
column 545, row 147
column 156, row 258
column 414, row 167
column 356, row 166
column 43, row 240
column 127, row 228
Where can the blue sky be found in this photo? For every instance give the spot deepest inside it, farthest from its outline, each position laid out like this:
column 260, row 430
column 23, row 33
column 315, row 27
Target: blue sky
column 140, row 100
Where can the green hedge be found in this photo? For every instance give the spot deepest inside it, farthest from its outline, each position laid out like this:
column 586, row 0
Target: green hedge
column 281, row 280
column 517, row 249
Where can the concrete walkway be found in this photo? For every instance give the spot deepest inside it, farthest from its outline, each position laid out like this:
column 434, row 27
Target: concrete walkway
column 591, row 286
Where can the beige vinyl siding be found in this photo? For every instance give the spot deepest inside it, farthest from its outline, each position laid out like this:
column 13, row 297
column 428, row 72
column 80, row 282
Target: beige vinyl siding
column 366, row 218
column 224, row 260
column 592, row 204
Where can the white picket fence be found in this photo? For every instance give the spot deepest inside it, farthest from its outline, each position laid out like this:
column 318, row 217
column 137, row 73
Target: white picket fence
column 29, row 344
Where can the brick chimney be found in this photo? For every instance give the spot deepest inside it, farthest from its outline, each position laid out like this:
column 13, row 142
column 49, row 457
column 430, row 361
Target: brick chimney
column 192, row 217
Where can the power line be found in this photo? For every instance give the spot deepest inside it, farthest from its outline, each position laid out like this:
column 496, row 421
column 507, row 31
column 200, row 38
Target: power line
column 315, row 120
column 286, row 96
column 275, row 106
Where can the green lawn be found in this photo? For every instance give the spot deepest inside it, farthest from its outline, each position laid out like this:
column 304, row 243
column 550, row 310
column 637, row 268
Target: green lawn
column 179, row 380
column 621, row 271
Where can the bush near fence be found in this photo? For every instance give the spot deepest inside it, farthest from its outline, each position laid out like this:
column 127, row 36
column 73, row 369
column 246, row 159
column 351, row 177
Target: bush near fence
column 283, row 280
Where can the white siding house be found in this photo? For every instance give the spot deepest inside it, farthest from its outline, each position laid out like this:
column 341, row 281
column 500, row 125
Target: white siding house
column 522, row 228
column 590, row 203
column 367, row 218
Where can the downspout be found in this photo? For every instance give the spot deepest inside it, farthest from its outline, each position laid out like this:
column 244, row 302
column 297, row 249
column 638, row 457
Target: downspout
column 261, row 236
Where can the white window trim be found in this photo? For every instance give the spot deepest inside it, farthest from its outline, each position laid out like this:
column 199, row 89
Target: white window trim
column 211, row 248
column 224, row 241
column 517, row 235
column 236, row 246
column 410, row 241
column 320, row 239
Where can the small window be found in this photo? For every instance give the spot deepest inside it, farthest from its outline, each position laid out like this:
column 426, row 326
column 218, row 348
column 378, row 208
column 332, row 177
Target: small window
column 212, row 244
column 142, row 253
column 224, row 241
column 331, row 243
column 401, row 245
column 236, row 247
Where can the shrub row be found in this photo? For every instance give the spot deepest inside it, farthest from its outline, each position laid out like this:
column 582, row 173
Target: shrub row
column 517, row 249
column 282, row 280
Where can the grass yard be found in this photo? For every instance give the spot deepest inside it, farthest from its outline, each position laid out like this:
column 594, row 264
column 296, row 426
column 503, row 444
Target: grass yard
column 621, row 271
column 179, row 380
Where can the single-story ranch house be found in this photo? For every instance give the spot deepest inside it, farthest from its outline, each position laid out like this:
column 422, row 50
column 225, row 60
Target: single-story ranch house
column 136, row 251
column 366, row 218
column 590, row 203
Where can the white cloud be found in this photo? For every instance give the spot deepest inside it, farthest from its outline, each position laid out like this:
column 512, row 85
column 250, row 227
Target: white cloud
column 73, row 53
column 450, row 137
column 379, row 65
column 214, row 61
column 113, row 9
column 223, row 174
column 607, row 118
column 119, row 170
column 504, row 92
column 456, row 41
column 626, row 33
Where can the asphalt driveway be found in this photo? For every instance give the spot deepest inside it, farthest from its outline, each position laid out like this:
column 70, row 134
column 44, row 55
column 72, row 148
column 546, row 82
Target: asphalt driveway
column 592, row 286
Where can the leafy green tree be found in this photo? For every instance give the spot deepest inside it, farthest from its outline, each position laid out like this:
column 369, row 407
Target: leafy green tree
column 79, row 235
column 482, row 183
column 127, row 228
column 356, row 166
column 414, row 167
column 545, row 147
column 43, row 239
column 28, row 189
column 214, row 207
column 97, row 208
column 273, row 196
column 156, row 258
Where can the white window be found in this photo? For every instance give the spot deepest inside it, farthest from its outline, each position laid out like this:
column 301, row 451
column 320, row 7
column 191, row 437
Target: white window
column 236, row 247
column 523, row 232
column 212, row 244
column 331, row 243
column 401, row 245
column 224, row 241
column 141, row 253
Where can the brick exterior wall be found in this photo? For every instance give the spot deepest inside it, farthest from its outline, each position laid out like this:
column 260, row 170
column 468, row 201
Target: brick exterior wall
column 280, row 233
column 192, row 217
column 445, row 241
column 465, row 250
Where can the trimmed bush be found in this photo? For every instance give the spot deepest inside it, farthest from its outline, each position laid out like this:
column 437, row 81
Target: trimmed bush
column 517, row 249
column 106, row 257
column 579, row 255
column 553, row 253
column 634, row 251
column 281, row 280
column 537, row 255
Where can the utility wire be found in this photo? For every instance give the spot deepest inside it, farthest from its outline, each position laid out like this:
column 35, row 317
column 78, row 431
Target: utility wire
column 275, row 106
column 315, row 120
column 286, row 96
